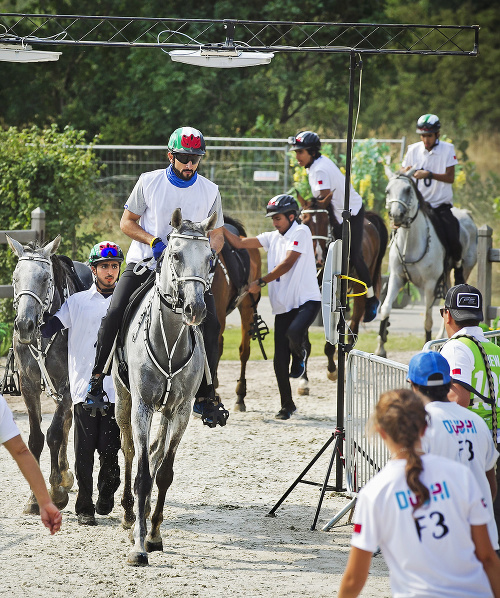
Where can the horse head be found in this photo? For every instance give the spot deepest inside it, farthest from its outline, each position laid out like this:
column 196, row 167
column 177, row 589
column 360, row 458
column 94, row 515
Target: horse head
column 317, row 220
column 183, row 275
column 401, row 199
column 33, row 282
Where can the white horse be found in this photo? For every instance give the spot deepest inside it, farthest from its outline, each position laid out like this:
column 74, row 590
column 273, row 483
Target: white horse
column 164, row 351
column 416, row 253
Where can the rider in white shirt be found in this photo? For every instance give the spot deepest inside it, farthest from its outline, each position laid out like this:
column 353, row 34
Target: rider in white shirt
column 95, row 425
column 293, row 290
column 328, row 188
column 453, row 431
column 425, row 512
column 435, row 162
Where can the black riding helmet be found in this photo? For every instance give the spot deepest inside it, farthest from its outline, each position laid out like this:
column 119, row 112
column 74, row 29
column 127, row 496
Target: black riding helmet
column 282, row 204
column 305, row 140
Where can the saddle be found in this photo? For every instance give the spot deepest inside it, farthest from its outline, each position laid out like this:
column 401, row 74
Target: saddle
column 237, row 262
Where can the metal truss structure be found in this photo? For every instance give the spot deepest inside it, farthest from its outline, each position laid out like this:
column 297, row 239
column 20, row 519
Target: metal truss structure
column 262, row 36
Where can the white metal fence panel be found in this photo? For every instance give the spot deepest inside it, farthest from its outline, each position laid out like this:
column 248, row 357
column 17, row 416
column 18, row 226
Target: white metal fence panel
column 367, row 377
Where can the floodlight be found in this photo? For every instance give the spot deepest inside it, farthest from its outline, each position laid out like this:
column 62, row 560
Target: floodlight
column 23, row 53
column 221, row 57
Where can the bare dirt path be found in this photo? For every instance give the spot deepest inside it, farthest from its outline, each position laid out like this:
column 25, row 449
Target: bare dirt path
column 217, row 538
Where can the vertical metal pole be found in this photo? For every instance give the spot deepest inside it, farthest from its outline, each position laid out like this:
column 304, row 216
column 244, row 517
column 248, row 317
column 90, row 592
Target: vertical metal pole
column 38, row 224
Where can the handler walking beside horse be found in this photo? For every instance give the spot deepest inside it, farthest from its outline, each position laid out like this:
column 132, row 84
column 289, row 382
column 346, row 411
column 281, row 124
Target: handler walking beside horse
column 294, row 293
column 95, row 429
column 434, row 161
column 328, row 188
column 146, row 220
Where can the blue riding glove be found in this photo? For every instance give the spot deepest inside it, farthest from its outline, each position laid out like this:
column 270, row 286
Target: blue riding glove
column 158, row 247
column 213, row 261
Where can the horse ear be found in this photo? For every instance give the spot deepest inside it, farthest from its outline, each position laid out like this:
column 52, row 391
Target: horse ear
column 410, row 172
column 209, row 223
column 176, row 220
column 51, row 247
column 388, row 172
column 16, row 247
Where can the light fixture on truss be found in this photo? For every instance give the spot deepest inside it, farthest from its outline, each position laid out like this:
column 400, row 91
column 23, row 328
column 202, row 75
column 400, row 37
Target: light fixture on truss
column 24, row 53
column 230, row 54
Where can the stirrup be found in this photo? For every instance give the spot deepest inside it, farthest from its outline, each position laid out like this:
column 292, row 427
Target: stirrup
column 214, row 414
column 94, row 406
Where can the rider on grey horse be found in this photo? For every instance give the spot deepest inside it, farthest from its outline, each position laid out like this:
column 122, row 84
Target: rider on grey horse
column 146, row 220
column 435, row 161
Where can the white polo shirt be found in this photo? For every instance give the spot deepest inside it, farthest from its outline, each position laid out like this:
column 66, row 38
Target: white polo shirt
column 437, row 160
column 154, row 199
column 457, row 433
column 8, row 427
column 81, row 314
column 429, row 552
column 299, row 284
column 325, row 174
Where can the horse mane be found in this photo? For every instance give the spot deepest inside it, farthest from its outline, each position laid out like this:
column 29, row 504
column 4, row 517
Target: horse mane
column 238, row 225
column 422, row 204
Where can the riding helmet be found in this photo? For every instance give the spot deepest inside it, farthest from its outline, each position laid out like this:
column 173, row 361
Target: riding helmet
column 106, row 251
column 305, row 140
column 428, row 123
column 282, row 204
column 186, row 140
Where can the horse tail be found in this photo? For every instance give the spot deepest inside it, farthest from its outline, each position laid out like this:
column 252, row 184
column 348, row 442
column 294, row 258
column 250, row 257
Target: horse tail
column 379, row 224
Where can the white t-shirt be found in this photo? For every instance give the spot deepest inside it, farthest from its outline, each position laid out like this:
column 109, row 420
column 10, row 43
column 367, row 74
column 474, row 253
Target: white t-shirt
column 437, row 160
column 299, row 284
column 154, row 199
column 459, row 434
column 8, row 427
column 325, row 174
column 81, row 314
column 433, row 553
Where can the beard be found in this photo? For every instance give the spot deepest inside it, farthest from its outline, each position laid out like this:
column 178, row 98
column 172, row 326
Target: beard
column 185, row 176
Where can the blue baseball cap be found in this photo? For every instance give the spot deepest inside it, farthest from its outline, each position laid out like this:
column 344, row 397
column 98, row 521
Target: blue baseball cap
column 426, row 364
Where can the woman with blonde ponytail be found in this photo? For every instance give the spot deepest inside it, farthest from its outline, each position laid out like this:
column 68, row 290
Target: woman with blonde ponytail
column 425, row 512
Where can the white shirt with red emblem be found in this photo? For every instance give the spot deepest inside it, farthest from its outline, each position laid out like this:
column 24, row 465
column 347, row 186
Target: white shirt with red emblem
column 436, row 160
column 429, row 552
column 324, row 174
column 8, row 427
column 299, row 284
column 457, row 433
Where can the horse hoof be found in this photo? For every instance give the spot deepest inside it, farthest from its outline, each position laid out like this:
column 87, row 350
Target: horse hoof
column 68, row 479
column 332, row 376
column 137, row 559
column 303, row 388
column 239, row 407
column 59, row 497
column 127, row 523
column 153, row 546
column 31, row 508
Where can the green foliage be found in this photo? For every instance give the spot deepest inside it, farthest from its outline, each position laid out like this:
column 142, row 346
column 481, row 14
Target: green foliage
column 6, row 331
column 45, row 168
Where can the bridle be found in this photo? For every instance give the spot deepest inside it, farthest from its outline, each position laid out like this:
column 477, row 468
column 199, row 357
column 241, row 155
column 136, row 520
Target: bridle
column 409, row 219
column 316, row 211
column 173, row 299
column 49, row 296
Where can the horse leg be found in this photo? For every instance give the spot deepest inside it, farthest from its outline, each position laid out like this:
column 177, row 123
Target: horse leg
column 141, row 418
column 396, row 281
column 122, row 414
column 67, row 477
column 246, row 314
column 429, row 301
column 58, row 494
column 164, row 468
column 332, row 368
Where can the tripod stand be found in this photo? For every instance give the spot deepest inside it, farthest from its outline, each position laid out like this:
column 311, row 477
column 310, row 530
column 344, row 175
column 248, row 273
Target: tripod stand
column 343, row 348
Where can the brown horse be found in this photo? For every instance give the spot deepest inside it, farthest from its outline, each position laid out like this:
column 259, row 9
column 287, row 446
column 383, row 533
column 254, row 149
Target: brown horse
column 228, row 296
column 374, row 245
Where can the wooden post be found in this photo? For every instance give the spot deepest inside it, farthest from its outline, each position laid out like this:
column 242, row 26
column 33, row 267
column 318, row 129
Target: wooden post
column 38, row 224
column 484, row 244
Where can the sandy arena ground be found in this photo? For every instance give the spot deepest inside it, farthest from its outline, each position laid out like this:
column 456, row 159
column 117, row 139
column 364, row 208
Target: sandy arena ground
column 216, row 536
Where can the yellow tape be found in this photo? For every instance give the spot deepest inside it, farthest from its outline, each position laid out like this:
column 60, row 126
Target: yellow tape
column 359, row 282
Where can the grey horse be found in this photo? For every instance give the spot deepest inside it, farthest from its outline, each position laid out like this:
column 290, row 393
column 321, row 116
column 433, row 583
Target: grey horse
column 164, row 352
column 41, row 281
column 416, row 253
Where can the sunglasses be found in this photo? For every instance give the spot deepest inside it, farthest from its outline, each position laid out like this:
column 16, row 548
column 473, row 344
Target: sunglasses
column 108, row 251
column 442, row 310
column 185, row 158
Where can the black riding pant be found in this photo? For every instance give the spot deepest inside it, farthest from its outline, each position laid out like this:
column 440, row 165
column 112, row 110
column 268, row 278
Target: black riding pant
column 451, row 230
column 101, row 434
column 111, row 322
column 290, row 338
column 356, row 259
